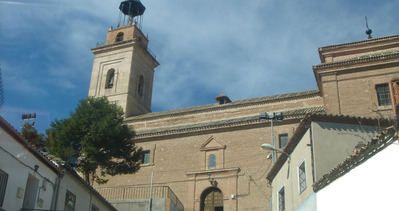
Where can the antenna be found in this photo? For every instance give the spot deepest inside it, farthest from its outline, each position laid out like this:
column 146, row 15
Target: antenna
column 368, row 31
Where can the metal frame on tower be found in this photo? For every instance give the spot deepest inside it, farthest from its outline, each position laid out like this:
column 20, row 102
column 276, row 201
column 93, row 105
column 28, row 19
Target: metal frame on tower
column 133, row 10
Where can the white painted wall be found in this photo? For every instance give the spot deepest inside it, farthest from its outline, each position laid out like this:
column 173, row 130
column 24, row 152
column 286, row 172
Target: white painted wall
column 84, row 197
column 289, row 179
column 374, row 185
column 18, row 163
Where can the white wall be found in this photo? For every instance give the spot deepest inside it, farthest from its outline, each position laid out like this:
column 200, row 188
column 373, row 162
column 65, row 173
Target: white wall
column 289, row 179
column 84, row 197
column 18, row 163
column 374, row 185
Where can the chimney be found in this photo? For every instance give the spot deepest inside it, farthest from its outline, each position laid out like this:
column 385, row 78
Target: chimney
column 222, row 99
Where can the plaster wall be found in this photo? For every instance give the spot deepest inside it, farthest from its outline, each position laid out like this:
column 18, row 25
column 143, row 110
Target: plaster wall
column 84, row 197
column 333, row 143
column 288, row 176
column 19, row 163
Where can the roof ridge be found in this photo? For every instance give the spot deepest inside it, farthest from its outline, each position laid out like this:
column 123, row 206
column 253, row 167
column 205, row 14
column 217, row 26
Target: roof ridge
column 181, row 111
column 223, row 123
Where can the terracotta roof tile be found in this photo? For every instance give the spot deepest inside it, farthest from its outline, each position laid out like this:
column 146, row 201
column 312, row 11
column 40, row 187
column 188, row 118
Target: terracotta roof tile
column 210, row 107
column 363, row 153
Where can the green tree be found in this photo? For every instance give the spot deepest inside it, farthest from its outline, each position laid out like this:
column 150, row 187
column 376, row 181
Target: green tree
column 33, row 137
column 95, row 141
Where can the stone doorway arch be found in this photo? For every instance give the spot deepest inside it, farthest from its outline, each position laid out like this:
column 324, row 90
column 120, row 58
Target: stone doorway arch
column 211, row 200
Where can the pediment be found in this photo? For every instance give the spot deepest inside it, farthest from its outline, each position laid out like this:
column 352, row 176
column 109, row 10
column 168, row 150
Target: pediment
column 212, row 144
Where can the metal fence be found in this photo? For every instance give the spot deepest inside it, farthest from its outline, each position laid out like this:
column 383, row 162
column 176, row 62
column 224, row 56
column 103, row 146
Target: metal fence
column 126, row 193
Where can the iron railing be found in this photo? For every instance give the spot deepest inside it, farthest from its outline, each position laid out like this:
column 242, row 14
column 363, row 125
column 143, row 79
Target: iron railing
column 125, row 193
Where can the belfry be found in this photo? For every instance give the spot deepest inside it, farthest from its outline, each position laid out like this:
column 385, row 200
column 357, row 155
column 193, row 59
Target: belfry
column 123, row 67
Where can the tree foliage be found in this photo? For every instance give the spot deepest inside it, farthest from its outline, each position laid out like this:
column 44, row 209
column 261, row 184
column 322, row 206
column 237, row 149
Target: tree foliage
column 33, row 137
column 95, row 141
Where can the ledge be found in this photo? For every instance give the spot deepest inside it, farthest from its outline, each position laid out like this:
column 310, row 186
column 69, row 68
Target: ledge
column 236, row 169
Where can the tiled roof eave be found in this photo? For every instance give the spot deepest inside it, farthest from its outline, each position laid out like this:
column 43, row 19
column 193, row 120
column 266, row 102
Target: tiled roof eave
column 357, row 61
column 245, row 121
column 304, row 125
column 216, row 107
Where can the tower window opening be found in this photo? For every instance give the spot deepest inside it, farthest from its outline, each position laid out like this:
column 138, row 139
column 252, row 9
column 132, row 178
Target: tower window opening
column 109, row 82
column 119, row 37
column 140, row 89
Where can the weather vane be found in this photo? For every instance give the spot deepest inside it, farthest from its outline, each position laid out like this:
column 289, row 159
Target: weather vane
column 368, row 31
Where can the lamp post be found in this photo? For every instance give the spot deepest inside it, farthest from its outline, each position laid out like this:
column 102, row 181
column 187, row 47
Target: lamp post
column 272, row 116
column 274, row 149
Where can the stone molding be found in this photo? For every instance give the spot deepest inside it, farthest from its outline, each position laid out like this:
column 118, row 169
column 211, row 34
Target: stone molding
column 235, row 104
column 237, row 122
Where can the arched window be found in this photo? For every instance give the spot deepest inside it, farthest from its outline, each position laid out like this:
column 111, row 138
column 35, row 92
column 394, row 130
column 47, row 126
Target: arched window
column 109, row 82
column 211, row 161
column 140, row 88
column 119, row 37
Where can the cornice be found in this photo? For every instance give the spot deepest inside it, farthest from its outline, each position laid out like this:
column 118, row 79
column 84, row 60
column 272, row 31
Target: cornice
column 222, row 124
column 212, row 171
column 374, row 40
column 358, row 60
column 216, row 107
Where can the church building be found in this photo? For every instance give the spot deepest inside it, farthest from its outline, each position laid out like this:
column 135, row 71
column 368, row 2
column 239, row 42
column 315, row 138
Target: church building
column 209, row 157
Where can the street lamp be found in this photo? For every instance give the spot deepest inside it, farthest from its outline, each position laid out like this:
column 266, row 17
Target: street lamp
column 273, row 149
column 272, row 116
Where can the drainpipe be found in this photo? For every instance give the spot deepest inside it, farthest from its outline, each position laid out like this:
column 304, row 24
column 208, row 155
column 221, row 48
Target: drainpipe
column 57, row 184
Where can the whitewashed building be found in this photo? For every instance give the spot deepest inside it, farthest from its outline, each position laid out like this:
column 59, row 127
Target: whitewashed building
column 27, row 179
column 30, row 181
column 320, row 143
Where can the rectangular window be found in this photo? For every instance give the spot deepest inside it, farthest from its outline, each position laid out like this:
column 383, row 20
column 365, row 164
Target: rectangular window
column 282, row 140
column 145, row 157
column 302, row 177
column 383, row 94
column 281, row 199
column 70, row 200
column 3, row 186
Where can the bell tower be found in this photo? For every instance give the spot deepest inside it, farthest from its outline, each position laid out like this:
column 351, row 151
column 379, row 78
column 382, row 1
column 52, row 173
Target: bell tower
column 123, row 67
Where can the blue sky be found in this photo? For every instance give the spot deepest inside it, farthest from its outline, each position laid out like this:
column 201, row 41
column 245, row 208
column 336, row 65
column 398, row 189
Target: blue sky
column 239, row 48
